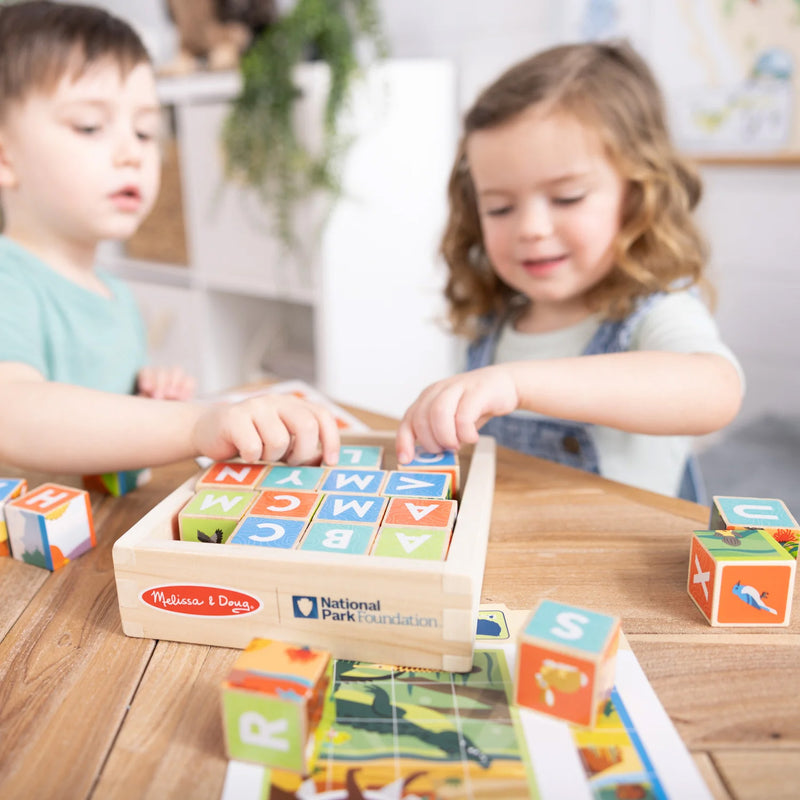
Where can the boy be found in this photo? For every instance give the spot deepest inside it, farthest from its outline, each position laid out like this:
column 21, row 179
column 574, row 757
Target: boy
column 79, row 163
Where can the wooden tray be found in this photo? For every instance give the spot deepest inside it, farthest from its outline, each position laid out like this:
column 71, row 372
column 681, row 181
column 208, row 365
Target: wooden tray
column 391, row 610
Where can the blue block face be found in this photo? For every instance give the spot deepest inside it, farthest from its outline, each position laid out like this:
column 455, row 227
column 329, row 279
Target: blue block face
column 361, row 481
column 266, row 532
column 417, row 484
column 337, row 537
column 431, row 460
column 305, row 479
column 350, row 508
column 754, row 512
column 360, row 456
column 571, row 626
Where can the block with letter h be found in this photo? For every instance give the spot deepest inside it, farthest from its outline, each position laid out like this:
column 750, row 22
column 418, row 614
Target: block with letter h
column 767, row 514
column 741, row 577
column 566, row 661
column 50, row 525
column 272, row 702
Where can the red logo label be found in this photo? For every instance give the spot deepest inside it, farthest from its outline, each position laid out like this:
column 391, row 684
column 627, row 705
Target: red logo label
column 199, row 600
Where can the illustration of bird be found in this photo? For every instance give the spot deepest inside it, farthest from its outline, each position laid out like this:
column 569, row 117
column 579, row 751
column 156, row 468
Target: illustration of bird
column 752, row 597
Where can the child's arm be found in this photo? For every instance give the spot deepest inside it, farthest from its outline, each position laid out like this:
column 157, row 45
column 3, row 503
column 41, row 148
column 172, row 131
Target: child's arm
column 651, row 392
column 61, row 428
column 165, row 383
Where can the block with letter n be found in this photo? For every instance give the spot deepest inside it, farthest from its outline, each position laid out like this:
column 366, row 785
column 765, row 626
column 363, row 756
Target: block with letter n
column 272, row 703
column 50, row 525
column 566, row 661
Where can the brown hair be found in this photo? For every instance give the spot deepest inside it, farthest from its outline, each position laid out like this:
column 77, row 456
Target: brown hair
column 40, row 41
column 609, row 88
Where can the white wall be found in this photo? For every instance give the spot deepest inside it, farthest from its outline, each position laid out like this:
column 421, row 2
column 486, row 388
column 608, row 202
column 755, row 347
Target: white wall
column 749, row 213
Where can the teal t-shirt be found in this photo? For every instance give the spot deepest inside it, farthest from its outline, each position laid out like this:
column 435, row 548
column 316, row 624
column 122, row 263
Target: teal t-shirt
column 68, row 333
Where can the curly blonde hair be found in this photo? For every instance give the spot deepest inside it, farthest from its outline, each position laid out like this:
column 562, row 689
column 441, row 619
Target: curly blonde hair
column 610, row 89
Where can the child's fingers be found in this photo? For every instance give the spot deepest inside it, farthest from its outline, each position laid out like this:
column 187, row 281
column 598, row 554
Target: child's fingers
column 328, row 436
column 404, row 442
column 304, row 428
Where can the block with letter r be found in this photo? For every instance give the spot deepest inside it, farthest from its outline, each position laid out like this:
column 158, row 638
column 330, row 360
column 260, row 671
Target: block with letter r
column 566, row 661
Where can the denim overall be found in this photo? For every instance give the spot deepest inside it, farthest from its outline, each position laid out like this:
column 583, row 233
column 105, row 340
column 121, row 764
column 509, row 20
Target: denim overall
column 570, row 443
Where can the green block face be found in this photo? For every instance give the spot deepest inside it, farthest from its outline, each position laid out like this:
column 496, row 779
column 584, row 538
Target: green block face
column 220, row 503
column 207, row 529
column 746, row 545
column 428, row 544
column 264, row 730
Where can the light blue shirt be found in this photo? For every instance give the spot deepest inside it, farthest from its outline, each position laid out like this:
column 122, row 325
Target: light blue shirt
column 66, row 332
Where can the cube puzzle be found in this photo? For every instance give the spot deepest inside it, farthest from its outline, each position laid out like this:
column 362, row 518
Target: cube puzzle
column 272, row 701
column 355, row 507
column 119, row 483
column 50, row 525
column 566, row 661
column 310, row 574
column 742, row 570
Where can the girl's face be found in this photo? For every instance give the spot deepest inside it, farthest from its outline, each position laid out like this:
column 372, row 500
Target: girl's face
column 82, row 163
column 550, row 203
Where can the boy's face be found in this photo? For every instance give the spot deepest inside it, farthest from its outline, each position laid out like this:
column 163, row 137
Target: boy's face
column 82, row 163
column 550, row 204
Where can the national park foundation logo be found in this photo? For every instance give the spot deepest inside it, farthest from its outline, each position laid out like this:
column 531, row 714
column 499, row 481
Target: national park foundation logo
column 343, row 609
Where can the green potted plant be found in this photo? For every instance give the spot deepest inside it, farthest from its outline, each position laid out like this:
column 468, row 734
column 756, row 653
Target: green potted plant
column 261, row 146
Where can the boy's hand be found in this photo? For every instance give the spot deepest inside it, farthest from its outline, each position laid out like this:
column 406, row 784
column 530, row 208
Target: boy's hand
column 449, row 413
column 269, row 428
column 165, row 383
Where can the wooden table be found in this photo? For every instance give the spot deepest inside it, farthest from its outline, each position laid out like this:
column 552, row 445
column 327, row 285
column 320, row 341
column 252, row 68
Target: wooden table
column 87, row 712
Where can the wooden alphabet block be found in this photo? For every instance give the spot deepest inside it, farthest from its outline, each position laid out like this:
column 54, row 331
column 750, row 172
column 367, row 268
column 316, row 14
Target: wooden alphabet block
column 272, row 702
column 768, row 514
column 232, row 475
column 400, row 483
column 9, row 489
column 212, row 514
column 285, row 504
column 352, row 481
column 305, row 479
column 420, row 513
column 429, row 544
column 265, row 532
column 566, row 661
column 50, row 525
column 436, row 462
column 339, row 537
column 741, row 577
column 117, row 484
column 360, row 456
column 351, row 508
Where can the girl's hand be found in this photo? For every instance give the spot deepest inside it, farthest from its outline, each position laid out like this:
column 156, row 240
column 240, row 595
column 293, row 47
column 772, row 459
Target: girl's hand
column 449, row 413
column 268, row 428
column 165, row 383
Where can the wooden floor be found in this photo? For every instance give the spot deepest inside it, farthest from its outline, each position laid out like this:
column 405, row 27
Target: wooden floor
column 87, row 712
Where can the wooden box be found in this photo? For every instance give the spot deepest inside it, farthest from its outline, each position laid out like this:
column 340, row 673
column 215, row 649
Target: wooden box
column 387, row 610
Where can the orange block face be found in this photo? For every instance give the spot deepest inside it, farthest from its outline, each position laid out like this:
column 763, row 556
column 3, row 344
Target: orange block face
column 702, row 577
column 232, row 475
column 278, row 503
column 432, row 513
column 556, row 683
column 754, row 595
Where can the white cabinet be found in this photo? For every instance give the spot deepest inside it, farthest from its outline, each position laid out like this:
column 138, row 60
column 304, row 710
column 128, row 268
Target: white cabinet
column 358, row 312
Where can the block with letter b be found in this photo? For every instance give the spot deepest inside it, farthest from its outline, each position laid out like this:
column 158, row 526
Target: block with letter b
column 272, row 702
column 741, row 577
column 50, row 525
column 566, row 661
column 767, row 514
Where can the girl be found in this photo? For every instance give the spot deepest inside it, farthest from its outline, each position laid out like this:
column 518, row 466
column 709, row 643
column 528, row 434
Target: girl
column 575, row 269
